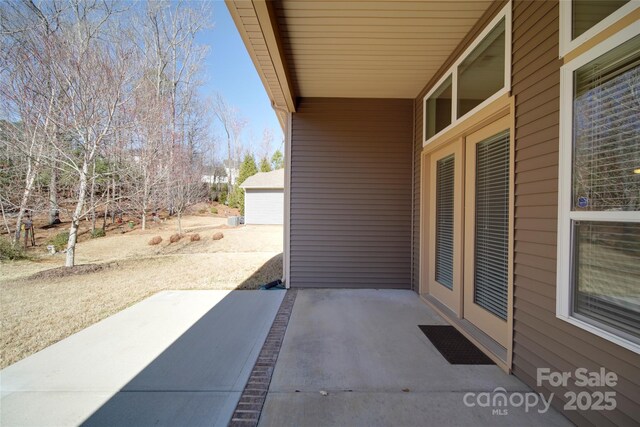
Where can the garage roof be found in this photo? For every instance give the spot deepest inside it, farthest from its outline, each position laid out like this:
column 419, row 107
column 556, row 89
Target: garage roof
column 264, row 180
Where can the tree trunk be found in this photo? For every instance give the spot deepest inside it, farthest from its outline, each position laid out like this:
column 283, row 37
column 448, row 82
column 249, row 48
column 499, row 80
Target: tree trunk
column 75, row 220
column 92, row 197
column 23, row 203
column 113, row 196
column 53, row 195
column 4, row 219
column 145, row 192
column 106, row 208
column 71, row 244
column 230, row 173
column 179, row 222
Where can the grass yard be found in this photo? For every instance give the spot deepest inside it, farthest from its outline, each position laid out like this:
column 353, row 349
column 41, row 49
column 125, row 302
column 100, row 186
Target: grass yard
column 41, row 304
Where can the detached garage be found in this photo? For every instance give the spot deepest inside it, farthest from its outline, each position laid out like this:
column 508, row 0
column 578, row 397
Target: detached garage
column 264, row 198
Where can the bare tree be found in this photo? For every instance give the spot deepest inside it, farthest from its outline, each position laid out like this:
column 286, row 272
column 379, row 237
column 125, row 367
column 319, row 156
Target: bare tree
column 233, row 125
column 30, row 96
column 186, row 181
column 168, row 35
column 92, row 67
column 104, row 101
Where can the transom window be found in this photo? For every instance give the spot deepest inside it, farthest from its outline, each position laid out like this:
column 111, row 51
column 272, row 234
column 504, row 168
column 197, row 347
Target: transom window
column 582, row 20
column 438, row 108
column 585, row 14
column 481, row 75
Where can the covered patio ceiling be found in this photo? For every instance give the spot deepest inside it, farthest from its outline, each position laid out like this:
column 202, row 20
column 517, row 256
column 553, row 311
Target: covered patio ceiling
column 351, row 49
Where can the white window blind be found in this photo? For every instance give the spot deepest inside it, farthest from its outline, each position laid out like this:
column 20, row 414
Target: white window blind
column 444, row 220
column 492, row 224
column 607, row 272
column 606, row 132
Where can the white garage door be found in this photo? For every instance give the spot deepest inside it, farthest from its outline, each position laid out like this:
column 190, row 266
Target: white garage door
column 264, row 207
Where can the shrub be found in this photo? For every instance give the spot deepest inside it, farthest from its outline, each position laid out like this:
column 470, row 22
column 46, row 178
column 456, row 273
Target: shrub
column 214, row 210
column 236, row 198
column 98, row 232
column 59, row 241
column 201, row 211
column 155, row 241
column 10, row 252
column 222, row 197
column 195, row 237
column 218, row 236
column 175, row 238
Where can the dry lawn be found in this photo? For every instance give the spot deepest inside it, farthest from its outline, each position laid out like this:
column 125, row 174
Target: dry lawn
column 41, row 310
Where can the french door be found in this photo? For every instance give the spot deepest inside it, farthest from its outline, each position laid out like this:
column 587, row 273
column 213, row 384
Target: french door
column 487, row 229
column 469, row 235
column 446, row 230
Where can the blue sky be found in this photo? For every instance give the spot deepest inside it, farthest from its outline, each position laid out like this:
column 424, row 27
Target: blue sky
column 228, row 69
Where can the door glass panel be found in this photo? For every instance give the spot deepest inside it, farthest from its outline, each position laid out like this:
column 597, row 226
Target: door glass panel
column 492, row 225
column 444, row 220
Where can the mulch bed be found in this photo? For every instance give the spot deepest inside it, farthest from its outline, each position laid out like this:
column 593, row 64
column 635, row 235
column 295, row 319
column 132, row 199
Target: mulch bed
column 58, row 272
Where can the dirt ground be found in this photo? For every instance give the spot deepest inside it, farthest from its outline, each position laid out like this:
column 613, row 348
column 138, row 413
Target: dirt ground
column 39, row 306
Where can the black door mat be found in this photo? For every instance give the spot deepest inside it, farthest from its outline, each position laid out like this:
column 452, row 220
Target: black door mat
column 454, row 346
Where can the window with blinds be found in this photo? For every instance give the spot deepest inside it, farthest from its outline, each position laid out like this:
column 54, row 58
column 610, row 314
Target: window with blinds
column 492, row 224
column 445, row 169
column 606, row 128
column 605, row 184
column 607, row 272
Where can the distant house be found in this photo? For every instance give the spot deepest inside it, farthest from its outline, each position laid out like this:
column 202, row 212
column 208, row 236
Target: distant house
column 231, row 169
column 215, row 179
column 264, row 198
column 222, row 173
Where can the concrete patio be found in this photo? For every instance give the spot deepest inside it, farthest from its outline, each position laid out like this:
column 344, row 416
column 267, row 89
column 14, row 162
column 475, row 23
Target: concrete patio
column 183, row 358
column 364, row 348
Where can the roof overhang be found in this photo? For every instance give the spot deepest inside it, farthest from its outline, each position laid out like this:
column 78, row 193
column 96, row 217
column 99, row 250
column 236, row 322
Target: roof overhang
column 255, row 21
column 351, row 49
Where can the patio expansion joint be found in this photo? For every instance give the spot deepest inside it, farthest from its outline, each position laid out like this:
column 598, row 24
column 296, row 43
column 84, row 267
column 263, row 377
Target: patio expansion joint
column 251, row 402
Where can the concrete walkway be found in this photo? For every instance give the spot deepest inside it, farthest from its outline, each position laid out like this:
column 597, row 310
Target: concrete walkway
column 176, row 358
column 364, row 348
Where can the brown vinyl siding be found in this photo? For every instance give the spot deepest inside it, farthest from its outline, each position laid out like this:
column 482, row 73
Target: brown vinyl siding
column 540, row 339
column 351, row 201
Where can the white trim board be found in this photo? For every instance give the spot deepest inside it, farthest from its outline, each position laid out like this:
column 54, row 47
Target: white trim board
column 286, row 258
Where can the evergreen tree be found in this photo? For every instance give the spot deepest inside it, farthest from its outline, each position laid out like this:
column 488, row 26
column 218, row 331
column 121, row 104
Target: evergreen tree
column 277, row 160
column 265, row 166
column 247, row 168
